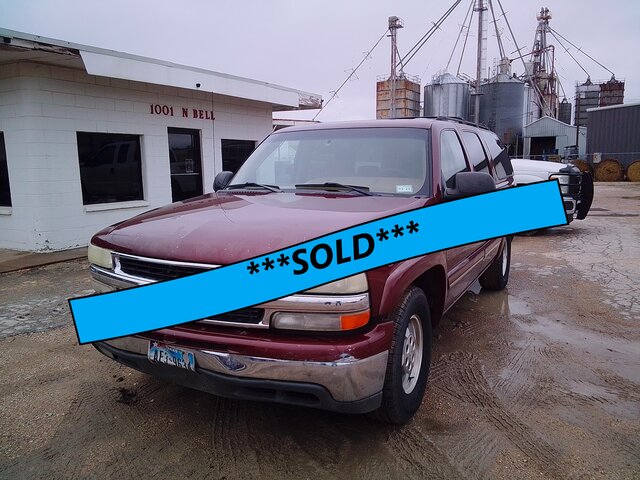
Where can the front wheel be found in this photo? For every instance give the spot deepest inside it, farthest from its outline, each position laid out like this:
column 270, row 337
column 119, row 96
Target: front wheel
column 409, row 359
column 497, row 275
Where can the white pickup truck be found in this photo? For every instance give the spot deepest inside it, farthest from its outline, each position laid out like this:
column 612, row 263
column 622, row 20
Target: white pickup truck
column 576, row 186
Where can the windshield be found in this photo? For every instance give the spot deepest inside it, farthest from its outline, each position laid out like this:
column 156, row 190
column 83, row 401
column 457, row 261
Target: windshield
column 382, row 160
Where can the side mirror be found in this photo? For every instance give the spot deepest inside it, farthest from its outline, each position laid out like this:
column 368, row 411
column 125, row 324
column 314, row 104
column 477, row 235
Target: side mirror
column 470, row 183
column 222, row 180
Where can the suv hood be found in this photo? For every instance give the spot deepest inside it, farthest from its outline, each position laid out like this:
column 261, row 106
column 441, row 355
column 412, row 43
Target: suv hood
column 535, row 167
column 222, row 228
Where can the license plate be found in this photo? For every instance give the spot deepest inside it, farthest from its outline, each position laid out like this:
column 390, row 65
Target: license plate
column 167, row 355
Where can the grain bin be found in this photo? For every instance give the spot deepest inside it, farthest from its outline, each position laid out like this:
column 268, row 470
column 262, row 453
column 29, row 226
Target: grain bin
column 447, row 96
column 564, row 112
column 502, row 107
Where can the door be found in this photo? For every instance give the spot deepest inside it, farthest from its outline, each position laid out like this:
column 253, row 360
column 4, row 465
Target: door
column 464, row 262
column 185, row 162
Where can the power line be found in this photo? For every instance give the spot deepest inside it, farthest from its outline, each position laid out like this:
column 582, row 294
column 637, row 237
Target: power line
column 580, row 50
column 498, row 37
column 464, row 45
column 464, row 22
column 420, row 43
column 353, row 72
column 568, row 52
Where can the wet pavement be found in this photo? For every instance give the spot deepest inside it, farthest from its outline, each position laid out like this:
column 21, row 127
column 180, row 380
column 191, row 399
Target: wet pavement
column 541, row 380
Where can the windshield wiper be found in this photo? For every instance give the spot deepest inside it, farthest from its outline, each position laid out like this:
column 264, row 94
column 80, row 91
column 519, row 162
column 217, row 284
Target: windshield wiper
column 271, row 188
column 333, row 185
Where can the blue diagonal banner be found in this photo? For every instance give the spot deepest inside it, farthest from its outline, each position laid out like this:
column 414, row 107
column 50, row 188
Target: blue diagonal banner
column 318, row 261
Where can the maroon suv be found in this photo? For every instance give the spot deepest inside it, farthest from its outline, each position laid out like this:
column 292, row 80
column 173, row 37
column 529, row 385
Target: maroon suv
column 360, row 344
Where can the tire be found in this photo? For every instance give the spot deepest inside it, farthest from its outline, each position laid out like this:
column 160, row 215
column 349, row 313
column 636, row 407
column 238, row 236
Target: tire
column 402, row 394
column 497, row 275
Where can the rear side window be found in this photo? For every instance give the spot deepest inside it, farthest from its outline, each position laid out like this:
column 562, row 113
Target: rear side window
column 501, row 160
column 451, row 157
column 475, row 150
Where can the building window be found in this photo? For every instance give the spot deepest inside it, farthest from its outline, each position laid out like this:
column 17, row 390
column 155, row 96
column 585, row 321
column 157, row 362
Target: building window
column 110, row 167
column 235, row 152
column 5, row 192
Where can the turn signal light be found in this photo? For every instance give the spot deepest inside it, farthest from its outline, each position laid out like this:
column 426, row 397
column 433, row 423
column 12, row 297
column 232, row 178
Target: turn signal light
column 353, row 321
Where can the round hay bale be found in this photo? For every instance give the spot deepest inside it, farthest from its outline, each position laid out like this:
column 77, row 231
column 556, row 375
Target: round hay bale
column 583, row 166
column 609, row 170
column 633, row 172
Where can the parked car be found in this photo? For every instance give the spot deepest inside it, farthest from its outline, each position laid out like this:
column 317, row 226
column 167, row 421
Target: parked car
column 576, row 186
column 300, row 183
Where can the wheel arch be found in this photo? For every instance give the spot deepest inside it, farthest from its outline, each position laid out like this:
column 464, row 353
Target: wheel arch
column 433, row 283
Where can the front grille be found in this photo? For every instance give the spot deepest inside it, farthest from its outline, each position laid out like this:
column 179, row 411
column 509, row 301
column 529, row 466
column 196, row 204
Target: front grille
column 156, row 272
column 160, row 270
column 570, row 183
column 249, row 316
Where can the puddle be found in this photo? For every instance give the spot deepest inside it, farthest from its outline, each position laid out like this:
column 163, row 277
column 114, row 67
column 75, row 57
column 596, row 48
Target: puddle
column 622, row 353
column 495, row 303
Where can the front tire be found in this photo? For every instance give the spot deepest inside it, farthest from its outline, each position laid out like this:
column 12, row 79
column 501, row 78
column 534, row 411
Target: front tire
column 496, row 276
column 409, row 359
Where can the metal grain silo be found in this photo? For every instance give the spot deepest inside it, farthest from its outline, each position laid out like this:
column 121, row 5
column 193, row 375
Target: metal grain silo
column 564, row 112
column 447, row 96
column 502, row 107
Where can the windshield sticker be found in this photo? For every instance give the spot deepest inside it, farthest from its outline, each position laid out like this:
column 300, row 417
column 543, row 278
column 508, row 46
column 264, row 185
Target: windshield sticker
column 404, row 188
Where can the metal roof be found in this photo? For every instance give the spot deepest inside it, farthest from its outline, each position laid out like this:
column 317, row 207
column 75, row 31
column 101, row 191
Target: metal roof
column 611, row 107
column 17, row 46
column 550, row 127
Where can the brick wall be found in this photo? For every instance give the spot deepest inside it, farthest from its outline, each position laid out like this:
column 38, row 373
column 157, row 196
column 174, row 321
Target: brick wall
column 41, row 109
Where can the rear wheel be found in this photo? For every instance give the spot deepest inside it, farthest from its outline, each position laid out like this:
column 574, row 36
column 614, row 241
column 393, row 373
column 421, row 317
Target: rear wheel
column 497, row 275
column 409, row 359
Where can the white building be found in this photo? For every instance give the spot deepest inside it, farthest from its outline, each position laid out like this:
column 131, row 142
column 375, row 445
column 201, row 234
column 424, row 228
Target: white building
column 548, row 136
column 90, row 137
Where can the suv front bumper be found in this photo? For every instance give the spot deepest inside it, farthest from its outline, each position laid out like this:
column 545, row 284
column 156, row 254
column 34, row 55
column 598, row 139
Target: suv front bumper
column 346, row 384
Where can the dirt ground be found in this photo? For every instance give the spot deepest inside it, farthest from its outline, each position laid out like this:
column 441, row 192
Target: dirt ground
column 539, row 381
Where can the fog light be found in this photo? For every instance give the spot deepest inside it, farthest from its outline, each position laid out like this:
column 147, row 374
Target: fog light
column 323, row 322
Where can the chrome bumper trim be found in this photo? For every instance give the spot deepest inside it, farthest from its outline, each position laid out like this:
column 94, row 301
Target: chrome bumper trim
column 347, row 379
column 107, row 281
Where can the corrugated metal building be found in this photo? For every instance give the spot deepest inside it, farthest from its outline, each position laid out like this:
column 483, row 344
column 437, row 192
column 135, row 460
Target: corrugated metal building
column 614, row 132
column 548, row 136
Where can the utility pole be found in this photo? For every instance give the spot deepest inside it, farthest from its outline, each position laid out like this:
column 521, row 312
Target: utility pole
column 394, row 24
column 482, row 53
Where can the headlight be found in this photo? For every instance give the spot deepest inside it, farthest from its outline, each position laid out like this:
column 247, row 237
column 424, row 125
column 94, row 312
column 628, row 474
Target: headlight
column 100, row 256
column 320, row 321
column 562, row 178
column 355, row 284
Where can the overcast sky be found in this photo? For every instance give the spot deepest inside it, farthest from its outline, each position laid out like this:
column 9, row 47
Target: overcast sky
column 312, row 45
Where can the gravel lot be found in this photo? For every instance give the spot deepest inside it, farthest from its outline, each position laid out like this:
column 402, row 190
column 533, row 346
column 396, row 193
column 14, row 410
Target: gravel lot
column 539, row 381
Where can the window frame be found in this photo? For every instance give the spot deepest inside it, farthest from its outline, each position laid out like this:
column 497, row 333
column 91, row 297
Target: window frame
column 490, row 135
column 464, row 154
column 487, row 157
column 102, row 205
column 3, row 155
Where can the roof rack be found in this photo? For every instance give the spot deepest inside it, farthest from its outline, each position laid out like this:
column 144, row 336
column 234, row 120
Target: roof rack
column 447, row 119
column 459, row 120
